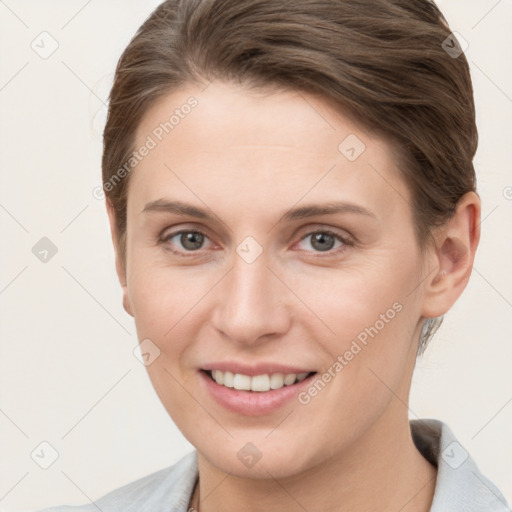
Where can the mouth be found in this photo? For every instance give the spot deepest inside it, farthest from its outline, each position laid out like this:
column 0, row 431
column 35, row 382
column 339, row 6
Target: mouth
column 257, row 383
column 259, row 394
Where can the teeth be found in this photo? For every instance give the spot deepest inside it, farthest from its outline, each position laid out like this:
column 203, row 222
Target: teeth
column 276, row 380
column 260, row 383
column 242, row 382
column 289, row 379
column 218, row 376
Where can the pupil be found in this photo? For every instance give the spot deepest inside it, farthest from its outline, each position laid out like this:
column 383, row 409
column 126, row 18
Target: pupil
column 323, row 238
column 192, row 240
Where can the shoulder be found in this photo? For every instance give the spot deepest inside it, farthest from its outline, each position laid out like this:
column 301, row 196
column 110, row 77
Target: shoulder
column 460, row 486
column 167, row 489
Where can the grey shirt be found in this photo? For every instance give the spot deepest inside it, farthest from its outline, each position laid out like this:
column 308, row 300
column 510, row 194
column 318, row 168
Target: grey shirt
column 460, row 486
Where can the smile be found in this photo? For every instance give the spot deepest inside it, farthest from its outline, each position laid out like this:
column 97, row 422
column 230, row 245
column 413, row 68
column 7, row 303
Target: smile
column 253, row 395
column 259, row 383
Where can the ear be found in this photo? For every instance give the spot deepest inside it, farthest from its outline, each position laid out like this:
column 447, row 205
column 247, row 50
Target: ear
column 455, row 247
column 120, row 269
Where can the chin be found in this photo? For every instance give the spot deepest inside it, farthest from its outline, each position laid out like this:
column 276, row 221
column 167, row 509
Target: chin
column 260, row 458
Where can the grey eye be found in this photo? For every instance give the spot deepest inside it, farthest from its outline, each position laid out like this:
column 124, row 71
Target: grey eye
column 322, row 241
column 190, row 240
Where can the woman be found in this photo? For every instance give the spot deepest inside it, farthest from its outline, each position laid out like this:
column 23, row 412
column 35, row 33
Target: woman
column 292, row 202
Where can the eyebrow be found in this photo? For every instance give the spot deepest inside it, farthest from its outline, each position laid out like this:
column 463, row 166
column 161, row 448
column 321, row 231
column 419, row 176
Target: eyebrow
column 184, row 209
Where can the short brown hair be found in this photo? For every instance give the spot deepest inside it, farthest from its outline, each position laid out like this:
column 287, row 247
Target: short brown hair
column 383, row 62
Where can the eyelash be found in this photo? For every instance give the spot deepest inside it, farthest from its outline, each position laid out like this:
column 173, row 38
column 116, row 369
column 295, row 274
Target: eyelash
column 319, row 254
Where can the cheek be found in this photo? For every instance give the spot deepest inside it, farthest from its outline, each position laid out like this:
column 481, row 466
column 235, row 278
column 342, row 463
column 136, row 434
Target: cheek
column 352, row 299
column 164, row 302
column 367, row 356
column 366, row 317
column 160, row 295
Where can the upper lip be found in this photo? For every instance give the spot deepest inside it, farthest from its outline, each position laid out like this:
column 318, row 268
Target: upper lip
column 255, row 369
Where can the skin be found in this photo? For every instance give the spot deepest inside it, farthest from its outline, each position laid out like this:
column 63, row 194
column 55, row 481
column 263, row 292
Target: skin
column 249, row 156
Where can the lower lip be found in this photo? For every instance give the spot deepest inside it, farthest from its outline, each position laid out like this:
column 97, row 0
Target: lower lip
column 252, row 403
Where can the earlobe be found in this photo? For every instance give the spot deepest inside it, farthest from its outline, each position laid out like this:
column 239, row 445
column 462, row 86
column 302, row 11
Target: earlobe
column 455, row 247
column 126, row 302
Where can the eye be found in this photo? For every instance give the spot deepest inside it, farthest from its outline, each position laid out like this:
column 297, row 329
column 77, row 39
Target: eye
column 324, row 240
column 190, row 241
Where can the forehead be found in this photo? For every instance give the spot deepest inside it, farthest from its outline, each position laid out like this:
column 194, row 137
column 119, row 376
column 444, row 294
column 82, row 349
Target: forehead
column 285, row 142
column 267, row 117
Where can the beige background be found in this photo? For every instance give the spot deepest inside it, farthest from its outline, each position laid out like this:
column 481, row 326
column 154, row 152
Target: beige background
column 67, row 372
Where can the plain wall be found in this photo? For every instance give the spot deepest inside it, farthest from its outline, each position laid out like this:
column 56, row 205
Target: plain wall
column 67, row 372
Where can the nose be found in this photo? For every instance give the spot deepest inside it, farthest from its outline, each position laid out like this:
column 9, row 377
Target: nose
column 251, row 305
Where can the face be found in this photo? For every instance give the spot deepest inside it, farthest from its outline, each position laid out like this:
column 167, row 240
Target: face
column 270, row 239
